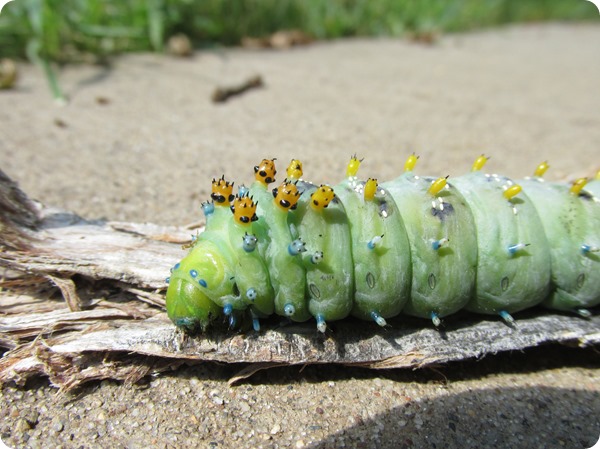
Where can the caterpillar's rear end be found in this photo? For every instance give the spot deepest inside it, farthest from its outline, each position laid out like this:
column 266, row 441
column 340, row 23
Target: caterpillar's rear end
column 422, row 246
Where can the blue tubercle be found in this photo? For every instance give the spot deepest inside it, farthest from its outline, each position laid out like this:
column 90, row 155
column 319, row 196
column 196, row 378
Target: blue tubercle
column 378, row 319
column 243, row 190
column 251, row 294
column 513, row 249
column 208, row 208
column 296, row 247
column 227, row 309
column 321, row 324
column 316, row 257
column 289, row 310
column 437, row 244
column 507, row 317
column 249, row 242
column 371, row 244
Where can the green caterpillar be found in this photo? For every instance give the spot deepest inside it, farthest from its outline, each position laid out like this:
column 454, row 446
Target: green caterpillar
column 416, row 245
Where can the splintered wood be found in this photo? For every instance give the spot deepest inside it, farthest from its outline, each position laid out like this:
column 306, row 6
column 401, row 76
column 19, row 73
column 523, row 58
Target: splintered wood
column 84, row 300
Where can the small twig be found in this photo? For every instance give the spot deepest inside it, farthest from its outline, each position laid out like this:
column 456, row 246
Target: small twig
column 222, row 94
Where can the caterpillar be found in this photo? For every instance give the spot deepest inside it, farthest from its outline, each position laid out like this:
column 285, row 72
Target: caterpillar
column 422, row 246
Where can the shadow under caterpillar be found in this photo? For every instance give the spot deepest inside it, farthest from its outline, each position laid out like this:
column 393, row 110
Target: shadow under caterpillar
column 421, row 246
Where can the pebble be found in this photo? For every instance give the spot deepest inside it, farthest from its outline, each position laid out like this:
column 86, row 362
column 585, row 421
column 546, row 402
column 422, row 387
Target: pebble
column 214, row 396
column 244, row 407
column 57, row 425
column 22, row 426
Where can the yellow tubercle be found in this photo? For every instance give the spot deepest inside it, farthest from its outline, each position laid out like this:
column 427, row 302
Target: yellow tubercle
column 286, row 196
column 265, row 172
column 437, row 186
column 353, row 166
column 512, row 191
column 294, row 170
column 370, row 189
column 222, row 191
column 479, row 162
column 578, row 185
column 541, row 169
column 244, row 210
column 321, row 198
column 411, row 162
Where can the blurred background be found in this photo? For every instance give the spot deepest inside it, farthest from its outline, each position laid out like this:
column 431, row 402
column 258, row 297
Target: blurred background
column 67, row 31
column 88, row 30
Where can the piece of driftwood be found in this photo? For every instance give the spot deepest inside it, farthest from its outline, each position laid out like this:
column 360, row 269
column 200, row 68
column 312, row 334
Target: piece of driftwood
column 84, row 300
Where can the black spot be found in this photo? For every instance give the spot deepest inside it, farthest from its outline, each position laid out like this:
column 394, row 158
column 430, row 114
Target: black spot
column 269, row 180
column 442, row 214
column 284, row 203
column 315, row 202
column 275, row 190
column 254, row 217
column 262, row 173
column 255, row 168
column 236, row 289
column 244, row 219
column 218, row 198
column 231, row 197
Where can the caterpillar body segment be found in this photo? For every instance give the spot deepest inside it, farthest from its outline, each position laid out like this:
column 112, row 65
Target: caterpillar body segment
column 287, row 272
column 571, row 224
column 513, row 259
column 379, row 241
column 416, row 245
column 443, row 245
column 324, row 228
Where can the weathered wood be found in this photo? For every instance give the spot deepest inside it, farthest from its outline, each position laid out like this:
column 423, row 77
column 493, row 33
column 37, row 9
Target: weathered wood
column 113, row 325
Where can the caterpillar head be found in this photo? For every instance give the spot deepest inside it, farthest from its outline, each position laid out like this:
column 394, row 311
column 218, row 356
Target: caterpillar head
column 244, row 210
column 265, row 172
column 191, row 284
column 321, row 198
column 222, row 191
column 286, row 196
